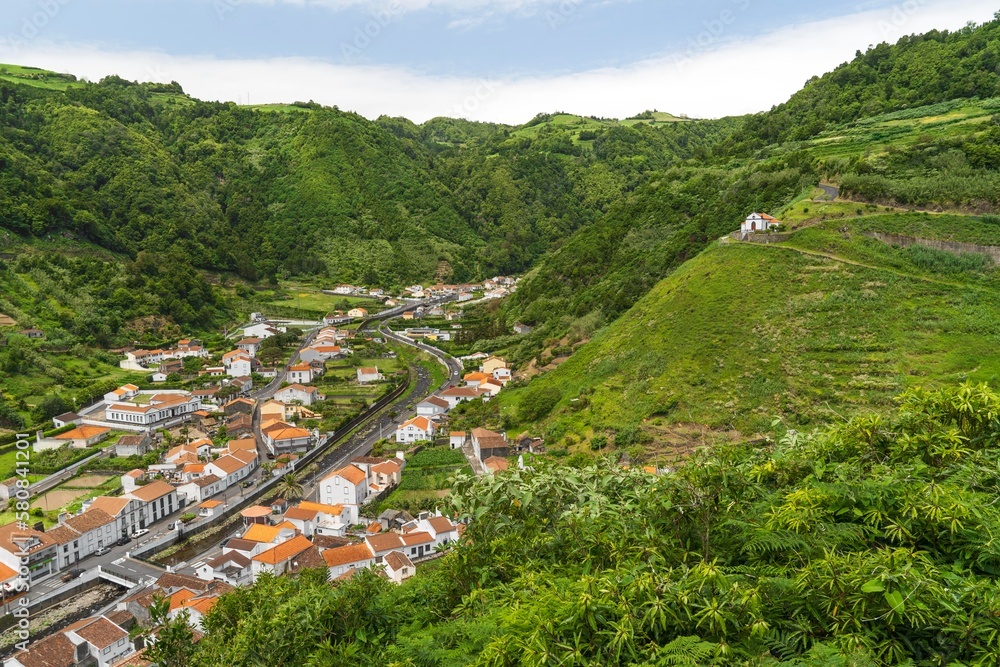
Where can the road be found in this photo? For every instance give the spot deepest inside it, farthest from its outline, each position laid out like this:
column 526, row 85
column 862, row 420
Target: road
column 365, row 438
column 830, row 192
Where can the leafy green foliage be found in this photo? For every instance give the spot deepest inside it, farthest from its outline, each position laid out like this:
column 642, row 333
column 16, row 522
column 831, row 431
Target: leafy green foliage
column 866, row 543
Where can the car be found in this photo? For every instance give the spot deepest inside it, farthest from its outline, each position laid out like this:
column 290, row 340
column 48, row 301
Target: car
column 139, row 533
column 103, row 550
column 72, row 574
column 248, row 483
column 18, row 585
column 125, row 539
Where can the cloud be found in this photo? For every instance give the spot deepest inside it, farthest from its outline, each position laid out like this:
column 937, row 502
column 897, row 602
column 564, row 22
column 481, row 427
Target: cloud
column 714, row 73
column 464, row 6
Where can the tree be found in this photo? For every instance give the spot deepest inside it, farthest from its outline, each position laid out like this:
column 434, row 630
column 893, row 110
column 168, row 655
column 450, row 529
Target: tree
column 49, row 407
column 170, row 642
column 290, row 488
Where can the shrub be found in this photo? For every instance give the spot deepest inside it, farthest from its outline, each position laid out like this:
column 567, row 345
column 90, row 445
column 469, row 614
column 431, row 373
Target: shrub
column 537, row 403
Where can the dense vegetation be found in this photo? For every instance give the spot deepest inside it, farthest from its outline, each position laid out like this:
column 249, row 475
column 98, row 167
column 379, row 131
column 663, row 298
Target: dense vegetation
column 866, row 543
column 832, row 324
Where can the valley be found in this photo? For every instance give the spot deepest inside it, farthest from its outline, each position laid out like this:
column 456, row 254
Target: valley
column 319, row 389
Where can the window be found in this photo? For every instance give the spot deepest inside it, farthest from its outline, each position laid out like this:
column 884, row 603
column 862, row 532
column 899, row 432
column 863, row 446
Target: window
column 105, row 649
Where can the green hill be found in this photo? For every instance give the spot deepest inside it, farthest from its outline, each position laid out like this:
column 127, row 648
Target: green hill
column 830, row 323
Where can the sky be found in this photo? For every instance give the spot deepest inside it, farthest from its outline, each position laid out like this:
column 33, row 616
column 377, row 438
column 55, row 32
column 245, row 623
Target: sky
column 491, row 60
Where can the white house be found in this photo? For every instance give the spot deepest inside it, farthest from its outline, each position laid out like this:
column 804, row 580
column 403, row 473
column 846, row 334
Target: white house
column 322, row 352
column 250, row 345
column 357, row 312
column 432, row 407
column 160, row 408
column 398, row 567
column 758, row 222
column 129, row 513
column 457, row 395
column 232, row 468
column 280, row 436
column 159, row 500
column 202, row 488
column 39, row 547
column 240, row 368
column 456, row 439
column 301, row 393
column 349, row 487
column 125, row 392
column 366, row 375
column 416, row 429
column 262, row 330
column 232, row 568
column 341, row 560
column 300, row 374
column 105, row 641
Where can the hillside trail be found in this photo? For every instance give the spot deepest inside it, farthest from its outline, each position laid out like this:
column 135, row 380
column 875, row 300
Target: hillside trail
column 844, row 260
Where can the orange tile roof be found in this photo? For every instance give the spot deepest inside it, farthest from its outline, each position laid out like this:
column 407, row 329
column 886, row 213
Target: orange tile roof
column 384, row 541
column 423, row 423
column 84, row 432
column 300, row 514
column 352, row 553
column 255, row 512
column 441, row 524
column 497, row 464
column 262, row 533
column 229, row 464
column 397, row 560
column 421, row 537
column 352, row 474
column 242, row 444
column 111, row 505
column 335, row 510
column 284, row 551
column 291, row 433
column 179, row 598
column 102, row 633
column 210, row 504
column 6, row 573
column 387, row 468
column 152, row 491
column 91, row 519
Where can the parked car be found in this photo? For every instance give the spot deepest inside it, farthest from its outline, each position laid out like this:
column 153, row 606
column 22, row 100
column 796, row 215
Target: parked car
column 125, row 539
column 102, row 551
column 17, row 585
column 248, row 483
column 139, row 533
column 72, row 574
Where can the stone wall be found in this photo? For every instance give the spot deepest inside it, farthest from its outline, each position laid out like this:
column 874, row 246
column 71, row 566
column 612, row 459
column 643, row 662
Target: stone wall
column 762, row 237
column 991, row 251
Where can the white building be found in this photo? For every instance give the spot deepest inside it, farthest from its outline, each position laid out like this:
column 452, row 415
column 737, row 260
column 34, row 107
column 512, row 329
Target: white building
column 758, row 222
column 366, row 375
column 159, row 500
column 297, row 392
column 432, row 407
column 160, row 408
column 416, row 429
column 349, row 487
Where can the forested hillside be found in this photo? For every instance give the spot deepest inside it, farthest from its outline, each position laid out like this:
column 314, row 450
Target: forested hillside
column 942, row 156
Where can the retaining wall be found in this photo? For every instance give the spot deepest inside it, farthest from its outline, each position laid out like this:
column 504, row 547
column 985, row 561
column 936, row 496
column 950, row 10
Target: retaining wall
column 956, row 247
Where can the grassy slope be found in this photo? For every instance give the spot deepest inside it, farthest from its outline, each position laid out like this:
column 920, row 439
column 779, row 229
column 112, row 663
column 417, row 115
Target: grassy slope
column 744, row 333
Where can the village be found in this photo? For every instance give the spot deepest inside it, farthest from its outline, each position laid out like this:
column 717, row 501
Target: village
column 228, row 435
